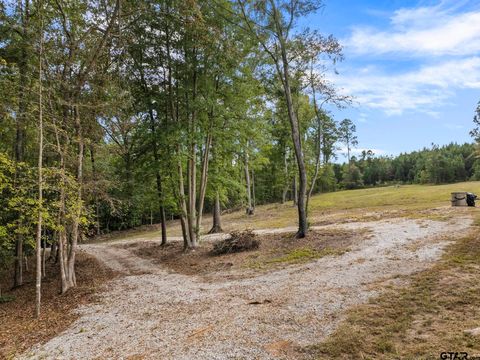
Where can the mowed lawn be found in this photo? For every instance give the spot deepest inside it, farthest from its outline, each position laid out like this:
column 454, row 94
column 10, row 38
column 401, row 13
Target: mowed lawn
column 351, row 205
column 392, row 197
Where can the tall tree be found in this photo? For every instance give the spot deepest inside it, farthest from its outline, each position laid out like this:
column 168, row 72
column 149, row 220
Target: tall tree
column 347, row 135
column 273, row 24
column 38, row 242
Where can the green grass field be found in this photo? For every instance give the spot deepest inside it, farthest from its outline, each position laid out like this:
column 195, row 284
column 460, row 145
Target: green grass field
column 348, row 205
column 404, row 196
column 340, row 206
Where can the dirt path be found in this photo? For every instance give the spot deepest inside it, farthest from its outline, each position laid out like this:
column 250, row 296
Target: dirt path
column 153, row 314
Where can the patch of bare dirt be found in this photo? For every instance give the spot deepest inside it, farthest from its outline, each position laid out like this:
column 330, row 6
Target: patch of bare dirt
column 274, row 251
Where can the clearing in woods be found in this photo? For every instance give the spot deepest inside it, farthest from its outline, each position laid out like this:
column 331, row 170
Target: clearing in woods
column 279, row 301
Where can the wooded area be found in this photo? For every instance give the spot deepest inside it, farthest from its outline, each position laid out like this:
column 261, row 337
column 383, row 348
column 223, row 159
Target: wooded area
column 118, row 113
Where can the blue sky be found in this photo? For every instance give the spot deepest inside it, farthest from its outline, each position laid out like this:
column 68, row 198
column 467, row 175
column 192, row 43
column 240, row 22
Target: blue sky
column 413, row 67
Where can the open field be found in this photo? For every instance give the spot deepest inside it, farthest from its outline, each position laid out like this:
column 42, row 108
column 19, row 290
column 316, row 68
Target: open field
column 382, row 277
column 414, row 201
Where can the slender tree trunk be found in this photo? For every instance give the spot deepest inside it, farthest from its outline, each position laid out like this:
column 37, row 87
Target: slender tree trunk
column 163, row 220
column 253, row 190
column 183, row 208
column 44, row 256
column 302, row 214
column 347, row 138
column 249, row 210
column 295, row 130
column 203, row 183
column 53, row 249
column 318, row 149
column 158, row 178
column 295, row 191
column 71, row 279
column 217, row 216
column 18, row 278
column 285, row 189
column 21, row 126
column 38, row 282
column 283, row 70
column 61, row 234
column 192, row 161
column 192, row 196
column 95, row 194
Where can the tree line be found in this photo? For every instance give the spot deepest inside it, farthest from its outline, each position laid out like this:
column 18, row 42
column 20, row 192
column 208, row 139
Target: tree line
column 435, row 165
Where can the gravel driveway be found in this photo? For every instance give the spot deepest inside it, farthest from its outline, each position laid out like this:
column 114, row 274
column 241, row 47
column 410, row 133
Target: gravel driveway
column 150, row 313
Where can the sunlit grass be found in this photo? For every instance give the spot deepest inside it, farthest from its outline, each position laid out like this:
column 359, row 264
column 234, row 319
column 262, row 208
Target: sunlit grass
column 350, row 205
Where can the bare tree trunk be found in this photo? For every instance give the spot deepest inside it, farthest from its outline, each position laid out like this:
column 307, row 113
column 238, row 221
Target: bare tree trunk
column 249, row 210
column 18, row 278
column 95, row 194
column 318, row 154
column 348, row 151
column 286, row 187
column 38, row 242
column 62, row 261
column 71, row 279
column 192, row 164
column 21, row 126
column 44, row 255
column 253, row 190
column 217, row 219
column 295, row 191
column 53, row 250
column 302, row 214
column 203, row 183
column 158, row 178
column 284, row 195
column 163, row 222
column 183, row 207
column 62, row 235
column 192, row 196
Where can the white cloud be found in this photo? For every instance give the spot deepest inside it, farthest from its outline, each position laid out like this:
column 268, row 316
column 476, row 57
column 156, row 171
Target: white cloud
column 451, row 126
column 442, row 44
column 424, row 89
column 422, row 31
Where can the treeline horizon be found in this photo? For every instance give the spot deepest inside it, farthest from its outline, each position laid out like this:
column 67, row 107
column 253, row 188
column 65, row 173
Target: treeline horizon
column 431, row 165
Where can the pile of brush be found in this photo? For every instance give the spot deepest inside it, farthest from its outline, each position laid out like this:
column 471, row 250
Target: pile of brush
column 238, row 242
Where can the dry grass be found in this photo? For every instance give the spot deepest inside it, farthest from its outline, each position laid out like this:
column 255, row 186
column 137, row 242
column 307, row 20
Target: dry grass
column 19, row 329
column 274, row 251
column 418, row 321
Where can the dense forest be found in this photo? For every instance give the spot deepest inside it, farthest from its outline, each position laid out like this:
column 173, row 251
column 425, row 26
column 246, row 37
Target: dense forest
column 117, row 113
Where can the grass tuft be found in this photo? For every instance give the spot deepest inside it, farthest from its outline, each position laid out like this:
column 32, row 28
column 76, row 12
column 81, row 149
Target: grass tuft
column 304, row 255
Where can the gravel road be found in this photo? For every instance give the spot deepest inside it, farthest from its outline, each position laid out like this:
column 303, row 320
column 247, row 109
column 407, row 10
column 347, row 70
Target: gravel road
column 150, row 313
